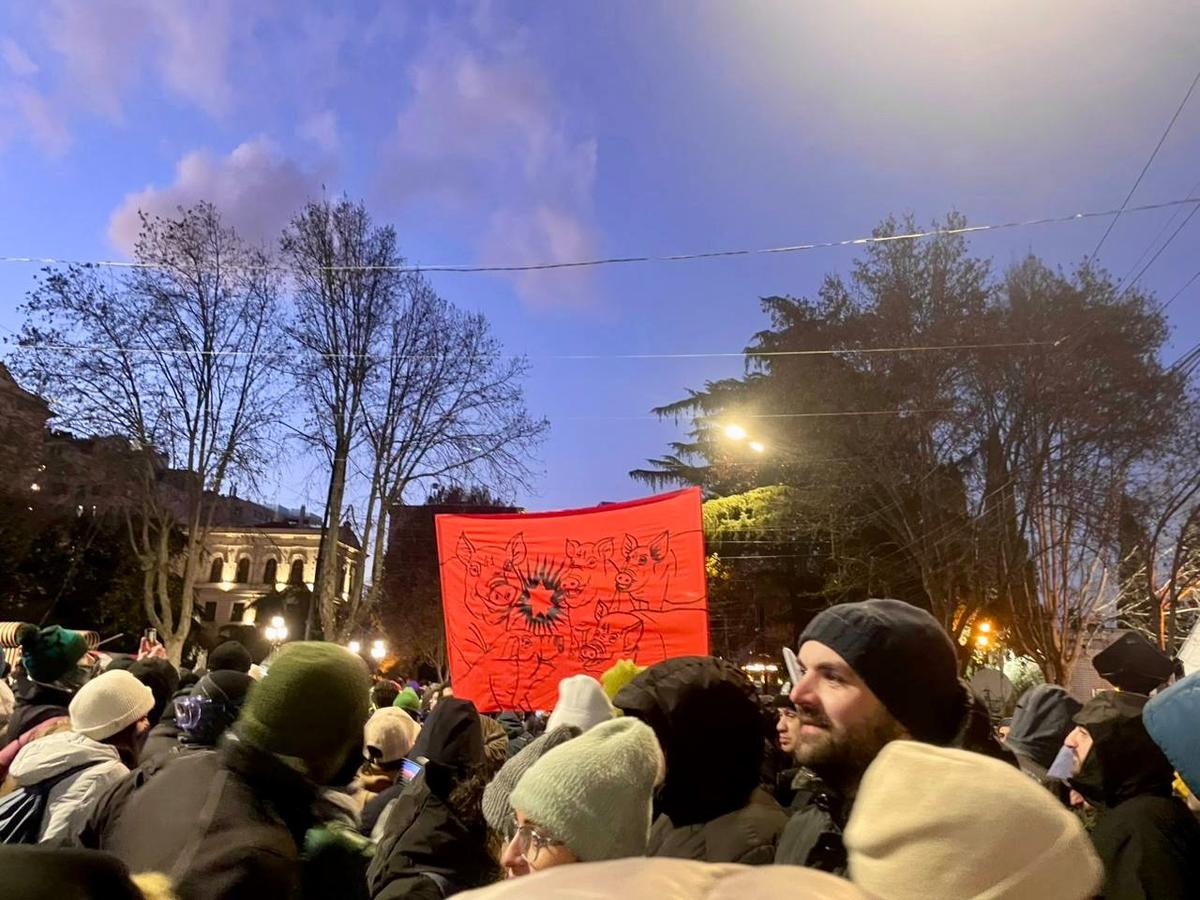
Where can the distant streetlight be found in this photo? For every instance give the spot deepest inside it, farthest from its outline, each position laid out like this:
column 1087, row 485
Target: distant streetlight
column 982, row 641
column 735, row 432
column 757, row 446
column 355, row 647
column 985, row 627
column 378, row 650
column 276, row 632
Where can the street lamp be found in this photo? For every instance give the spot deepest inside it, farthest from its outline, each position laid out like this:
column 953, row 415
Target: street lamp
column 735, row 432
column 757, row 446
column 355, row 647
column 276, row 632
column 378, row 650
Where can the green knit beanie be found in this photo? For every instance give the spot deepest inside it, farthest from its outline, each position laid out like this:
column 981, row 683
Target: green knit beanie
column 311, row 705
column 408, row 700
column 594, row 793
column 50, row 653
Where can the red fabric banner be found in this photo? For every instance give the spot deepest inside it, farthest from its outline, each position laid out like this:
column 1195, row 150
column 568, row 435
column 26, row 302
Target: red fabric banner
column 531, row 598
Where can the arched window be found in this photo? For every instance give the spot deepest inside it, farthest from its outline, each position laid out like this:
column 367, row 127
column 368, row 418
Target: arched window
column 269, row 571
column 243, row 570
column 217, row 572
column 296, row 576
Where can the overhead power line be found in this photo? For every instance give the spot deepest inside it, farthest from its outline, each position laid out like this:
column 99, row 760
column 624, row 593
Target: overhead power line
column 1162, row 139
column 650, row 258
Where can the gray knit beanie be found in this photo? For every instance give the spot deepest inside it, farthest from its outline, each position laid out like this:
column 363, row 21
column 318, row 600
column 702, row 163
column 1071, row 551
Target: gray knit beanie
column 496, row 808
column 594, row 793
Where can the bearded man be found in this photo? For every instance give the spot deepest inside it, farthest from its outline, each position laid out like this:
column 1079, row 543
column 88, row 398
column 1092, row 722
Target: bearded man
column 869, row 673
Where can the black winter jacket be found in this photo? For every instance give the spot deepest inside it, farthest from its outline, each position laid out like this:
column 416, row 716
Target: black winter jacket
column 228, row 824
column 35, row 703
column 1146, row 838
column 711, row 729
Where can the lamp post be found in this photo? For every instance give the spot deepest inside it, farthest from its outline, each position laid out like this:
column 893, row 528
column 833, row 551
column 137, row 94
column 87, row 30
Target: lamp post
column 378, row 650
column 354, row 647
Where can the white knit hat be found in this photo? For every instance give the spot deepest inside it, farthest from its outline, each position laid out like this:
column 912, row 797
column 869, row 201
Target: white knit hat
column 108, row 703
column 934, row 822
column 581, row 702
column 391, row 733
column 593, row 793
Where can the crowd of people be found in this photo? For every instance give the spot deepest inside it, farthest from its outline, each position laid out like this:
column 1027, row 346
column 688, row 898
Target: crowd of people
column 877, row 774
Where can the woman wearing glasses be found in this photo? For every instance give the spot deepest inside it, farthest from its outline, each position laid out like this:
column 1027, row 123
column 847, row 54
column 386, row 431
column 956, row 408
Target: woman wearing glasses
column 586, row 800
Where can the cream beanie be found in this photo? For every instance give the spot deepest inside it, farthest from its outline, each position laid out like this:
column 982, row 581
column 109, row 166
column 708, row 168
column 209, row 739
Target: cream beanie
column 935, row 822
column 581, row 702
column 110, row 702
column 389, row 735
column 593, row 793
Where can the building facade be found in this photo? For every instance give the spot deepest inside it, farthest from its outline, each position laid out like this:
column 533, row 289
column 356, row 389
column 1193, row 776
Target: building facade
column 244, row 562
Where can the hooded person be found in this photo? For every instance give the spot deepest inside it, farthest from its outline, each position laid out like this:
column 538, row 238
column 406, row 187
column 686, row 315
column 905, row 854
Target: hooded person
column 163, row 680
column 54, row 665
column 74, row 768
column 433, row 837
column 581, row 703
column 1043, row 718
column 916, row 831
column 1146, row 838
column 587, row 800
column 710, row 806
column 250, row 804
column 203, row 714
column 868, row 673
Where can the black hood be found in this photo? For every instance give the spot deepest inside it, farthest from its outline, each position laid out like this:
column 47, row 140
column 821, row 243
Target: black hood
column 452, row 736
column 1124, row 761
column 1041, row 722
column 162, row 679
column 706, row 717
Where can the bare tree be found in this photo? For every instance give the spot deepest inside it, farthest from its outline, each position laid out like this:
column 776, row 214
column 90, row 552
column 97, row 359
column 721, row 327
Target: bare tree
column 347, row 288
column 175, row 356
column 447, row 404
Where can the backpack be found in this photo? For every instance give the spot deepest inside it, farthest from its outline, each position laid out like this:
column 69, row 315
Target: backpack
column 22, row 811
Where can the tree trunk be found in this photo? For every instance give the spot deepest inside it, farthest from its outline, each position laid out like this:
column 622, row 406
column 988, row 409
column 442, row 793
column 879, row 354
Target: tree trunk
column 325, row 588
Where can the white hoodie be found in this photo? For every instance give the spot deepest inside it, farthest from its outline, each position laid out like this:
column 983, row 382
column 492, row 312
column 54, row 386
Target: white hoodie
column 71, row 800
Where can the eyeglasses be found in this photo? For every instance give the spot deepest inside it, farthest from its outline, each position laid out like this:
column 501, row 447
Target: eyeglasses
column 527, row 841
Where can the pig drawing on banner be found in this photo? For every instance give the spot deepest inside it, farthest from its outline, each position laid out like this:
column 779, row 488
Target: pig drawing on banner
column 531, row 598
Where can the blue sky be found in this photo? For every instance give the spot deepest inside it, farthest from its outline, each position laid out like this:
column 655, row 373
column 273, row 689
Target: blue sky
column 523, row 131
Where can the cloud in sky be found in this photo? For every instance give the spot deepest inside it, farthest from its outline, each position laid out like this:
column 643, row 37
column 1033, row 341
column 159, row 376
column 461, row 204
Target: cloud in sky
column 321, row 129
column 484, row 137
column 256, row 188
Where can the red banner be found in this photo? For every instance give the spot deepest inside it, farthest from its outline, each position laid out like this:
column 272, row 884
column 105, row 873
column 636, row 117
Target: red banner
column 531, row 598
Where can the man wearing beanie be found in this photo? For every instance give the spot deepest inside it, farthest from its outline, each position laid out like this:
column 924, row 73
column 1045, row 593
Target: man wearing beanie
column 53, row 667
column 931, row 822
column 231, row 823
column 108, row 721
column 1147, row 839
column 581, row 703
column 587, row 800
column 869, row 673
column 408, row 701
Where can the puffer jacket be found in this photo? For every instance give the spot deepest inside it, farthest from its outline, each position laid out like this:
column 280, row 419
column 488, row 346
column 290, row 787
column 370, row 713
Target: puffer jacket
column 1147, row 840
column 647, row 879
column 711, row 729
column 1172, row 717
column 72, row 799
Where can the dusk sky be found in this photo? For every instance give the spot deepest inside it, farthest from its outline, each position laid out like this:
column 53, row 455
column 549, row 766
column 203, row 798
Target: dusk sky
column 534, row 131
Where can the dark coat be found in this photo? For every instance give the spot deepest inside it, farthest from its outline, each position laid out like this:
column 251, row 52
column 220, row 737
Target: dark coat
column 228, row 824
column 711, row 729
column 1040, row 723
column 35, row 703
column 1147, row 840
column 813, row 835
column 429, row 848
column 164, row 736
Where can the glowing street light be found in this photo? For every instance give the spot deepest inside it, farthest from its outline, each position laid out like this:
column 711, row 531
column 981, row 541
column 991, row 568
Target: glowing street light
column 985, row 627
column 276, row 632
column 982, row 641
column 355, row 646
column 378, row 650
column 757, row 446
column 735, row 432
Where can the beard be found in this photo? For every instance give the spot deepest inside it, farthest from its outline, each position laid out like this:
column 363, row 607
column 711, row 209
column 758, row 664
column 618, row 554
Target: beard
column 834, row 751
